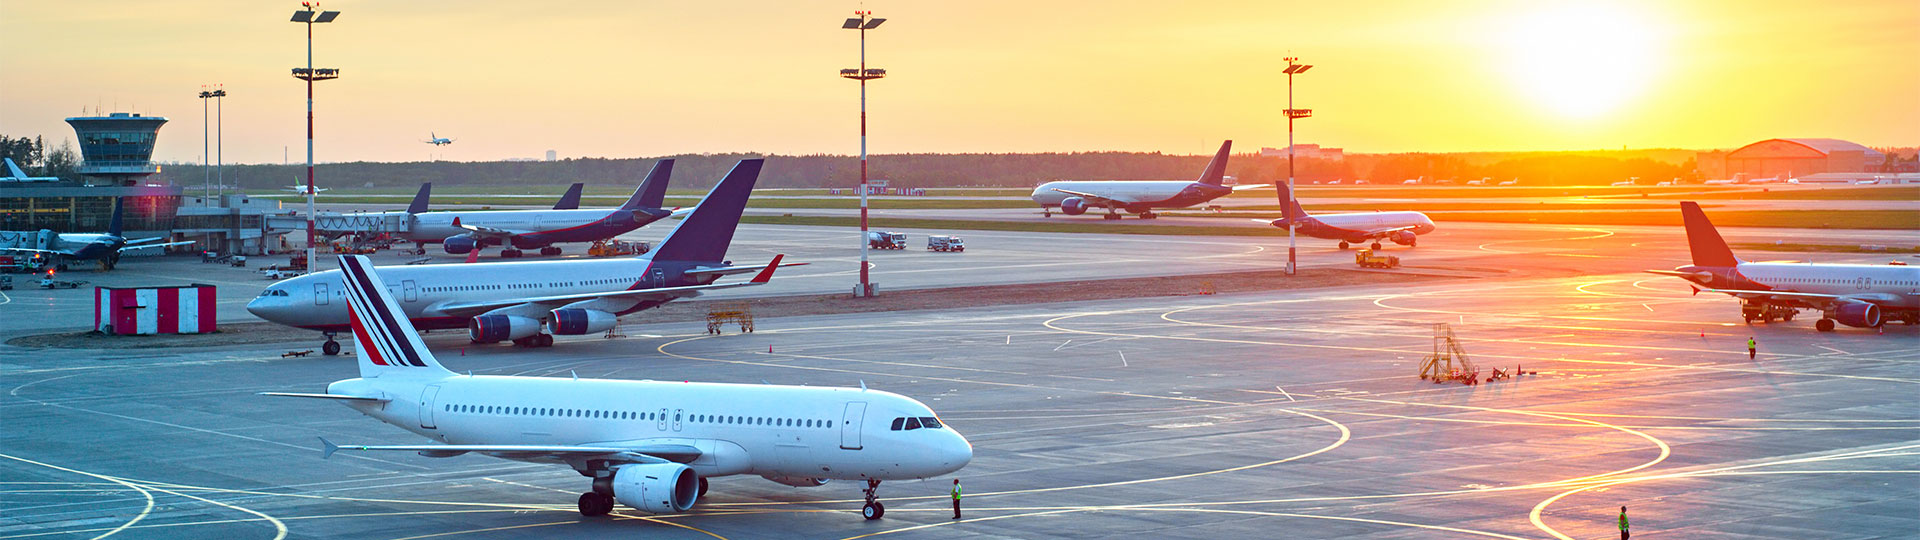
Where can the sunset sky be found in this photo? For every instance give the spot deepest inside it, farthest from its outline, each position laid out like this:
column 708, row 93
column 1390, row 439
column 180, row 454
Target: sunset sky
column 633, row 79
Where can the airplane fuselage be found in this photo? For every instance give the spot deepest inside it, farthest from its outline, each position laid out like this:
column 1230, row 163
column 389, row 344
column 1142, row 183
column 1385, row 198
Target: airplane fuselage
column 1893, row 287
column 1354, row 227
column 1146, row 195
column 74, row 246
column 543, row 227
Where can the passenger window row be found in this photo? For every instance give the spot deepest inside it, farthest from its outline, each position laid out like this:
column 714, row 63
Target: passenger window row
column 451, row 288
column 640, row 415
column 915, row 422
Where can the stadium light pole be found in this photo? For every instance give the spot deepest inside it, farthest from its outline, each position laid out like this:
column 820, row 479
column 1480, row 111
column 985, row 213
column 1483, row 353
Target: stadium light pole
column 863, row 23
column 206, row 173
column 309, row 16
column 1293, row 68
column 219, row 138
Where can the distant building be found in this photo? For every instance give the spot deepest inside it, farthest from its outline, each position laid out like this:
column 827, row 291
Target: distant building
column 552, row 155
column 1306, row 151
column 1790, row 158
column 118, row 148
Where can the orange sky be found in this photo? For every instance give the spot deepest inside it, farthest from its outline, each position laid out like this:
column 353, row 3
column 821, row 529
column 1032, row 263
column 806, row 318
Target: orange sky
column 630, row 79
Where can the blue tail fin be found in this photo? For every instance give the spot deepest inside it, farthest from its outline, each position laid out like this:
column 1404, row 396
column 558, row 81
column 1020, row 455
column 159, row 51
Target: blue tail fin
column 571, row 200
column 1705, row 242
column 420, row 199
column 705, row 234
column 1216, row 171
column 653, row 191
column 113, row 225
column 14, row 170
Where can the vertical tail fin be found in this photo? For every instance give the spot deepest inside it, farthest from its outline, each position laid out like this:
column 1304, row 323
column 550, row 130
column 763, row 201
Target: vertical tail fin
column 1216, row 171
column 14, row 170
column 113, row 224
column 419, row 204
column 705, row 234
column 1705, row 242
column 571, row 200
column 653, row 191
column 383, row 338
column 1289, row 204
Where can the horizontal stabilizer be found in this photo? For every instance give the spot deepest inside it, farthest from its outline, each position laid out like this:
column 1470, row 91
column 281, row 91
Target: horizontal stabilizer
column 341, row 397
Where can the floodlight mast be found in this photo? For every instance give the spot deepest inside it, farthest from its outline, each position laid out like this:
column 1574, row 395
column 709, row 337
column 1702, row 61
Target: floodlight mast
column 310, row 16
column 1293, row 68
column 206, row 145
column 863, row 23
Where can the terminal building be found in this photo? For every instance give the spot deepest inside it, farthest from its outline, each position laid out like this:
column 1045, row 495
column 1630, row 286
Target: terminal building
column 1791, row 158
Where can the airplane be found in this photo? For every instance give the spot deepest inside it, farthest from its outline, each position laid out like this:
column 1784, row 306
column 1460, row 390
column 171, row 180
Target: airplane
column 1481, row 182
column 59, row 248
column 1513, row 182
column 649, row 445
column 1856, row 295
column 461, row 231
column 301, row 189
column 513, row 301
column 1076, row 197
column 14, row 174
column 1402, row 228
column 437, row 140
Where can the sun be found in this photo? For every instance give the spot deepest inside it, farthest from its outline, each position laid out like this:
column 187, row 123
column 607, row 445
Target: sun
column 1584, row 60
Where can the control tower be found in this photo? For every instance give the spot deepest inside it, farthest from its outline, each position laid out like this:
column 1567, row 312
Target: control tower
column 118, row 147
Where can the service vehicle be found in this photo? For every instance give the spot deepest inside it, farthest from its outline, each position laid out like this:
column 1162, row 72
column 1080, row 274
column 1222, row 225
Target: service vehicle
column 945, row 243
column 1366, row 258
column 886, row 240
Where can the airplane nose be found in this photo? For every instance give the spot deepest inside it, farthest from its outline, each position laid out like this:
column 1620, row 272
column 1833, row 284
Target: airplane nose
column 258, row 307
column 956, row 452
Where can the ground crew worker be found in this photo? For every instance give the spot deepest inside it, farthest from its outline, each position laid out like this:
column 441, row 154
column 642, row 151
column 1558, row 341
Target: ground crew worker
column 956, row 498
column 1623, row 523
column 1752, row 348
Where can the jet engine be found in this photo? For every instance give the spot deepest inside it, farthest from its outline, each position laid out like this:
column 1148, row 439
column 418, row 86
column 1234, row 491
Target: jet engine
column 459, row 244
column 797, row 482
column 1073, row 206
column 1405, row 238
column 660, row 488
column 578, row 322
column 494, row 328
column 1858, row 315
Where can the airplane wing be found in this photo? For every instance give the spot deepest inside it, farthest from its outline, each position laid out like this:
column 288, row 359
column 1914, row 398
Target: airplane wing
column 731, row 270
column 647, row 453
column 468, row 309
column 1811, row 298
column 341, row 397
column 682, row 212
column 1239, row 187
column 1109, row 201
column 488, row 232
column 145, row 246
column 32, row 250
column 1679, row 274
column 1383, row 232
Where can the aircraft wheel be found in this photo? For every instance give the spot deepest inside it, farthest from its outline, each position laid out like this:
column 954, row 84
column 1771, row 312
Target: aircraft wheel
column 509, row 254
column 873, row 511
column 1376, row 246
column 543, row 340
column 703, row 486
column 1413, row 243
column 595, row 504
column 549, row 251
column 1343, row 244
column 1823, row 325
column 330, row 348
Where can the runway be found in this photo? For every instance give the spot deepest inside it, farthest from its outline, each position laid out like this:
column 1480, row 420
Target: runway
column 1190, row 417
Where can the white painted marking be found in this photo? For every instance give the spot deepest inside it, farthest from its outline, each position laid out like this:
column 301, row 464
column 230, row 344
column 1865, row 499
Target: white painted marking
column 1055, row 348
column 1123, row 359
column 1283, row 392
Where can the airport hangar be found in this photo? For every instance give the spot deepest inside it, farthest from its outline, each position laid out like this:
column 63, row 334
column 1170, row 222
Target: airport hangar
column 1789, row 158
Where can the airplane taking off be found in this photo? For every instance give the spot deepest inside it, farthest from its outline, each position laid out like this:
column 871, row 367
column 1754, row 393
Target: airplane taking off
column 1076, row 197
column 437, row 140
column 512, row 301
column 1856, row 295
column 63, row 247
column 646, row 444
column 461, row 231
column 1402, row 228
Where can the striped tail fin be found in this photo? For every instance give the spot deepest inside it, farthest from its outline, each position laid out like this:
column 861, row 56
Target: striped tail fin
column 383, row 338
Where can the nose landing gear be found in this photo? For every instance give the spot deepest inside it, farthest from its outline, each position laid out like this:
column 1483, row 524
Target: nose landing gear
column 873, row 510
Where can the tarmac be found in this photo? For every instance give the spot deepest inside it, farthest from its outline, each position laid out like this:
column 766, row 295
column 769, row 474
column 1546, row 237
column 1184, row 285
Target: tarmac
column 1283, row 414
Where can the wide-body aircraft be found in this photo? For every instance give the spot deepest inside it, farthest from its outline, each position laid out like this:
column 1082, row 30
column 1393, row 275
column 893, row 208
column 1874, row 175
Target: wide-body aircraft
column 1402, row 228
column 461, row 231
column 527, row 302
column 1856, row 295
column 648, row 445
column 60, row 248
column 1076, row 197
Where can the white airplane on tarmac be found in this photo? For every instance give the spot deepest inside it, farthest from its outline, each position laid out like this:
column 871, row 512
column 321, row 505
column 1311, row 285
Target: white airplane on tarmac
column 649, row 445
column 1076, row 197
column 1402, row 228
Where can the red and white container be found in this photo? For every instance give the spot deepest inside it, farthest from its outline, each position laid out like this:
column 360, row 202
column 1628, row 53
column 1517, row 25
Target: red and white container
column 185, row 309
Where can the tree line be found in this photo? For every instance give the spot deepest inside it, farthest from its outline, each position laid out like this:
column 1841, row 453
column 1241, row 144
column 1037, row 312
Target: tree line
column 33, row 157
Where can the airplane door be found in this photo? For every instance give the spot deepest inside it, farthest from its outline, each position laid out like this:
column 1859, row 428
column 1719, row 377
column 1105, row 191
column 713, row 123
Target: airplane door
column 659, row 278
column 409, row 290
column 320, row 294
column 426, row 406
column 850, row 425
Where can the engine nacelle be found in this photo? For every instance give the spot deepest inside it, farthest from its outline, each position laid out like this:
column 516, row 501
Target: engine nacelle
column 494, row 328
column 1858, row 315
column 459, row 244
column 577, row 322
column 660, row 488
column 1073, row 206
column 797, row 482
column 1405, row 238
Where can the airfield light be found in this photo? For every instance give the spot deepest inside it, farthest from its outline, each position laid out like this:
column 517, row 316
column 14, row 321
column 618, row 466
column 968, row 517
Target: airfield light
column 864, row 22
column 309, row 16
column 1293, row 68
column 219, row 139
column 205, row 144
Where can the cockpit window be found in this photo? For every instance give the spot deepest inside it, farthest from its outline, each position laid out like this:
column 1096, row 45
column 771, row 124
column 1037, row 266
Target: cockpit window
column 897, row 423
column 273, row 292
column 913, row 423
column 930, row 422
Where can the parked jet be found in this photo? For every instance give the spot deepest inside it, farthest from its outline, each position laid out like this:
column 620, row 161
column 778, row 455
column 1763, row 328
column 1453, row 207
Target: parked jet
column 649, row 445
column 301, row 189
column 57, row 249
column 1857, row 295
column 437, row 140
column 461, row 231
column 1076, row 197
column 513, row 301
column 14, row 174
column 1402, row 228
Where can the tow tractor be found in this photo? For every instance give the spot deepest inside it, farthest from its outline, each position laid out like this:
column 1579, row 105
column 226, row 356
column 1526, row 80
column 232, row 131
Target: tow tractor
column 1765, row 312
column 1367, row 259
column 48, row 282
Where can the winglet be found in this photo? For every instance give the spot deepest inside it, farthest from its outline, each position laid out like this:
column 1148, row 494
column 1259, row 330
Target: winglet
column 570, row 200
column 327, row 448
column 1216, row 171
column 456, row 221
column 1709, row 249
column 419, row 204
column 767, row 273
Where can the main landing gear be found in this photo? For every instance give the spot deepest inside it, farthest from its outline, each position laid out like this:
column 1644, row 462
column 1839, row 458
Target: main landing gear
column 1823, row 325
column 594, row 503
column 1375, row 246
column 873, row 510
column 549, row 251
column 1148, row 215
column 1111, row 214
column 331, row 347
column 535, row 341
column 1344, row 244
column 509, row 254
